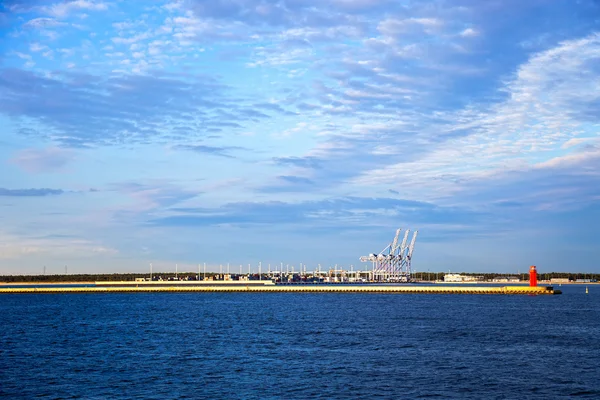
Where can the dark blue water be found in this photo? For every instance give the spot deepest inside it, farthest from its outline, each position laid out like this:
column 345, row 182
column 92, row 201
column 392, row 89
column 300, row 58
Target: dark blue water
column 279, row 345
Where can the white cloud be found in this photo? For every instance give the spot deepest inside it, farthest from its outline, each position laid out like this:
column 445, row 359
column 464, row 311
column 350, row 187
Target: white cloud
column 574, row 142
column 23, row 56
column 43, row 23
column 393, row 27
column 17, row 247
column 469, row 32
column 541, row 116
column 51, row 35
column 121, row 26
column 153, row 196
column 36, row 47
column 132, row 39
column 158, row 47
column 569, row 160
column 67, row 52
column 281, row 58
column 173, row 6
column 64, row 9
column 426, row 21
column 300, row 127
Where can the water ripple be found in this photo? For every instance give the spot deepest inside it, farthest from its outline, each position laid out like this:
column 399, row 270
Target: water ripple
column 284, row 346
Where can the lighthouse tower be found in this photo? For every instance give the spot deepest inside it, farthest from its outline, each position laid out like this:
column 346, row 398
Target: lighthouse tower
column 532, row 276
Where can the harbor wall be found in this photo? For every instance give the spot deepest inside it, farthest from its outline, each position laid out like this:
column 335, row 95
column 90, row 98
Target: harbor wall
column 538, row 290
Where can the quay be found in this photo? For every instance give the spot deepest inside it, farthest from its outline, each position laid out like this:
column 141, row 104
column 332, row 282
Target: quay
column 140, row 287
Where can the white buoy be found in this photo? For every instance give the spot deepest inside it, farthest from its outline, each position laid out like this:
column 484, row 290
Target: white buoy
column 586, row 290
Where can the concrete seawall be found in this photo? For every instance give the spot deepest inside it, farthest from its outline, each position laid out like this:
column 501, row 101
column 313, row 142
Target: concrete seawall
column 540, row 290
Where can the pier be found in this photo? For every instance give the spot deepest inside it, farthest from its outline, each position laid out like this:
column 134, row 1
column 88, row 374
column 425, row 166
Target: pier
column 271, row 288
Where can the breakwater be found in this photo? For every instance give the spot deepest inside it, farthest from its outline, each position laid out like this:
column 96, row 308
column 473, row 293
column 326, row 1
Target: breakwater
column 399, row 289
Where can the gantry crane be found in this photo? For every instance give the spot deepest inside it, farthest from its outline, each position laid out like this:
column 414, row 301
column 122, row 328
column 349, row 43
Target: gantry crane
column 393, row 263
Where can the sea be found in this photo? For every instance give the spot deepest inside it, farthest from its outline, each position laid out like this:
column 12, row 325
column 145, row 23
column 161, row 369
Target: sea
column 300, row 346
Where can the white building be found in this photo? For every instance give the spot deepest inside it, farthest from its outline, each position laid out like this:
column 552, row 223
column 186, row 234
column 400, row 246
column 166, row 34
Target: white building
column 461, row 278
column 506, row 279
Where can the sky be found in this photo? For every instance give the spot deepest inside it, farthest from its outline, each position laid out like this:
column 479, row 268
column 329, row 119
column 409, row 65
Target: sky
column 299, row 131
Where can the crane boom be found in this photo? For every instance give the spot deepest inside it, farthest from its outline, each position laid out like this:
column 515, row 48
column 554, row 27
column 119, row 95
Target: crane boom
column 403, row 246
column 412, row 244
column 395, row 242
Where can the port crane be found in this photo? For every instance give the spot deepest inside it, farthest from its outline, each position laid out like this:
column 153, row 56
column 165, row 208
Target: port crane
column 393, row 263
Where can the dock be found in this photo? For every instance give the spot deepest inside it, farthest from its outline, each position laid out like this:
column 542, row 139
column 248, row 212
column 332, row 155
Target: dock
column 271, row 288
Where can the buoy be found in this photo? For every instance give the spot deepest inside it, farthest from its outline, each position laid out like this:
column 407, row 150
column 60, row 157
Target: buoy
column 586, row 290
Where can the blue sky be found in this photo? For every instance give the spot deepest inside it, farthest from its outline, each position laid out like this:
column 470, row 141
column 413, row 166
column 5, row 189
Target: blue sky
column 299, row 131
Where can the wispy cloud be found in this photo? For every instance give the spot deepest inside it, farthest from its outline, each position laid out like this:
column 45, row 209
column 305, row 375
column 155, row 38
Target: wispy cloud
column 154, row 195
column 222, row 151
column 65, row 8
column 16, row 247
column 30, row 192
column 43, row 23
column 469, row 32
column 332, row 212
column 501, row 136
column 90, row 110
column 42, row 160
column 304, row 162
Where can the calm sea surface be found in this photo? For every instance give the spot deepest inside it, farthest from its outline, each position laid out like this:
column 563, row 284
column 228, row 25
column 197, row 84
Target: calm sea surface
column 279, row 345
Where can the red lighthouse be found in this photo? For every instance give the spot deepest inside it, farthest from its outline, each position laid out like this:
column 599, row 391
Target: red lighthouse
column 532, row 276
